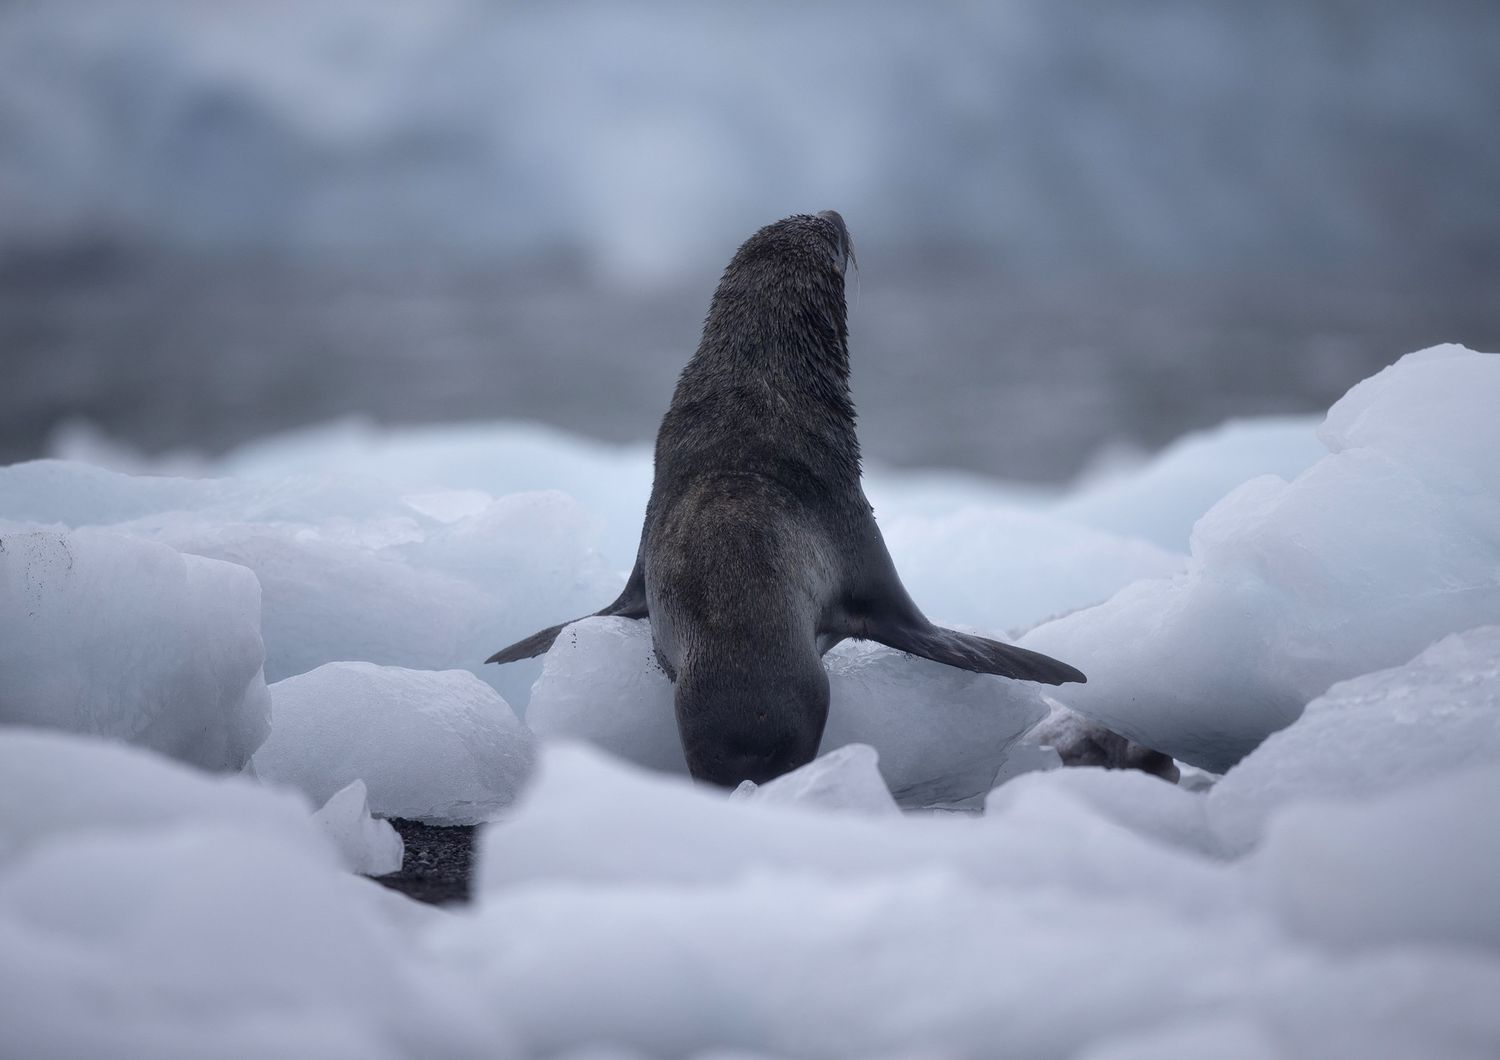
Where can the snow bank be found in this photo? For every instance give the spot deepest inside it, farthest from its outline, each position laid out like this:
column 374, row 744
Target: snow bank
column 119, row 637
column 1146, row 805
column 1373, row 734
column 1331, row 896
column 612, row 482
column 57, row 785
column 927, row 964
column 1160, row 500
column 1386, row 544
column 941, row 733
column 624, row 826
column 800, row 930
column 189, row 942
column 351, row 569
column 148, row 909
column 442, row 748
column 1416, row 867
column 625, row 913
column 999, row 568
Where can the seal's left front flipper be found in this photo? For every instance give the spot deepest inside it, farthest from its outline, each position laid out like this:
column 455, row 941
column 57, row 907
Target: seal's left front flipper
column 968, row 652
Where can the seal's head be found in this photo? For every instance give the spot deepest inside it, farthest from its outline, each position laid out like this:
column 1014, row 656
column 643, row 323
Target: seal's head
column 803, row 243
column 780, row 302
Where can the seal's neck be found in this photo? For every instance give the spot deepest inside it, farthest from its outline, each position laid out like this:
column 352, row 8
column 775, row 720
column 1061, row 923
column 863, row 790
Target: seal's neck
column 772, row 373
column 790, row 335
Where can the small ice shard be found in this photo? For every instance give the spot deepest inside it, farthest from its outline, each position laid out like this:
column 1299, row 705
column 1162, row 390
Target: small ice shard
column 368, row 846
column 847, row 779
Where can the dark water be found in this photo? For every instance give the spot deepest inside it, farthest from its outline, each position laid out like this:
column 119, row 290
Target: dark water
column 952, row 367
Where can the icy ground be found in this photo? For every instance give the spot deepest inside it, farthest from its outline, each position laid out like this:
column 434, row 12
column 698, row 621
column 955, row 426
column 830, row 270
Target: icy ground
column 1312, row 609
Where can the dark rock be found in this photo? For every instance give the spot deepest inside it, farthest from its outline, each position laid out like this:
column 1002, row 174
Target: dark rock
column 437, row 864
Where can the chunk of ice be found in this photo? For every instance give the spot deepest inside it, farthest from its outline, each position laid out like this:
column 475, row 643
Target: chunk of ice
column 367, row 846
column 443, row 748
column 1387, row 543
column 118, row 637
column 846, row 779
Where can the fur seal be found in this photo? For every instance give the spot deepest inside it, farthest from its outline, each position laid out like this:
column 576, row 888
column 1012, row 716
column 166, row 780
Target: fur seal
column 759, row 550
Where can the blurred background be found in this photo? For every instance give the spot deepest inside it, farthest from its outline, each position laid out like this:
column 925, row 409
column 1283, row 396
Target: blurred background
column 1083, row 226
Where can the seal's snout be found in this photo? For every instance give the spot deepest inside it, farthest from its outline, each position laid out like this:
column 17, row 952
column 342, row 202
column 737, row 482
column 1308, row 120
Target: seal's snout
column 841, row 230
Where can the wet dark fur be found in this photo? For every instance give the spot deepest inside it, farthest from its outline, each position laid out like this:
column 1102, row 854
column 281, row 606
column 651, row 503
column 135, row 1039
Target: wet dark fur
column 759, row 550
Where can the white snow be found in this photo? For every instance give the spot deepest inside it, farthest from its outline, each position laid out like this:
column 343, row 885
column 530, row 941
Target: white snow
column 1331, row 895
column 589, row 819
column 1374, row 733
column 1145, row 804
column 442, row 748
column 1419, row 866
column 148, row 909
column 55, row 784
column 1387, row 543
column 791, row 931
column 111, row 635
column 187, row 942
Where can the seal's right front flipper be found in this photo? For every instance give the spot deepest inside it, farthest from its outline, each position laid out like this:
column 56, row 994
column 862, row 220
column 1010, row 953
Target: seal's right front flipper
column 876, row 607
column 532, row 645
column 977, row 654
column 631, row 603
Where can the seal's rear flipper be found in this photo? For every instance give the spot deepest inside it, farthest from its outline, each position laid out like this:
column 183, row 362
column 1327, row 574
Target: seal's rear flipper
column 979, row 654
column 631, row 603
